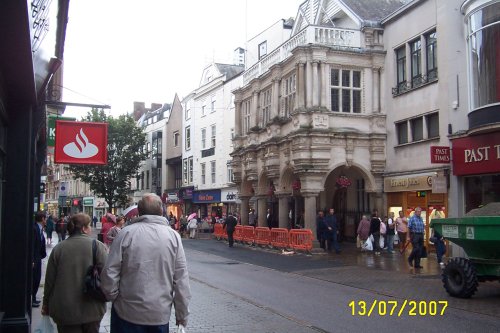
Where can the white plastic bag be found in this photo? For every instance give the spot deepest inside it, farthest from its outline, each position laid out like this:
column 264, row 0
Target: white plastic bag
column 381, row 241
column 368, row 245
column 180, row 329
column 45, row 326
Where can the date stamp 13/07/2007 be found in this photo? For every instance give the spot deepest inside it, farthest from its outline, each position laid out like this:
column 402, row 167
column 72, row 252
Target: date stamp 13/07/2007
column 398, row 308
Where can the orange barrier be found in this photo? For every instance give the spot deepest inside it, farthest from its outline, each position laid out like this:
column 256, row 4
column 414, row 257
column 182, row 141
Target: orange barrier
column 301, row 239
column 248, row 234
column 218, row 231
column 279, row 237
column 262, row 236
column 238, row 233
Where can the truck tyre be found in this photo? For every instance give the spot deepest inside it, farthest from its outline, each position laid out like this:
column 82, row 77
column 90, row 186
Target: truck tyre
column 459, row 278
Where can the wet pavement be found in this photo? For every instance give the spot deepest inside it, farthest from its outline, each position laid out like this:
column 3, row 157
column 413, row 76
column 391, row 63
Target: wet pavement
column 387, row 275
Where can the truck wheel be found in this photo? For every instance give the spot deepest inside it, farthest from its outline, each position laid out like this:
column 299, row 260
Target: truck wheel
column 459, row 278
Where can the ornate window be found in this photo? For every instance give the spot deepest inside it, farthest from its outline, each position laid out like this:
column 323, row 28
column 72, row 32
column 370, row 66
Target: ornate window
column 345, row 91
column 289, row 92
column 265, row 103
column 245, row 109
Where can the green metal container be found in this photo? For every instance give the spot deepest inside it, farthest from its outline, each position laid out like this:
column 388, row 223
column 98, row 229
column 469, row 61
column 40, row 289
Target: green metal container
column 479, row 236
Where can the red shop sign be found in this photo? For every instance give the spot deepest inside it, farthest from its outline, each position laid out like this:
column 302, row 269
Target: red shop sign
column 476, row 154
column 440, row 154
column 81, row 143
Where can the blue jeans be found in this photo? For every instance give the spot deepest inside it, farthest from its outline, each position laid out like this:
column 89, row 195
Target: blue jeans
column 119, row 325
column 390, row 243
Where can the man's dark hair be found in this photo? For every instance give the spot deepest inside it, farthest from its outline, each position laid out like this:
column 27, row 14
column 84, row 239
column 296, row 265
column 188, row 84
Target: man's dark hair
column 39, row 216
column 150, row 204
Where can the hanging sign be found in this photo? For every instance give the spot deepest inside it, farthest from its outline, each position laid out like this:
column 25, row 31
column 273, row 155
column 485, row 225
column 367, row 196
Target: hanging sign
column 81, row 142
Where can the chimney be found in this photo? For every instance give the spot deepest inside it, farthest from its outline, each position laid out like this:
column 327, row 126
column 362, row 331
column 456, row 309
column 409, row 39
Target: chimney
column 139, row 110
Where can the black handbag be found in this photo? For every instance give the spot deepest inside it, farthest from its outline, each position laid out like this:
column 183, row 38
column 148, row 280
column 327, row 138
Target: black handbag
column 92, row 281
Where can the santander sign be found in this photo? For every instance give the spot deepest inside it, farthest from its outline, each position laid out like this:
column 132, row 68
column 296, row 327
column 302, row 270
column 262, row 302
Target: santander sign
column 81, row 142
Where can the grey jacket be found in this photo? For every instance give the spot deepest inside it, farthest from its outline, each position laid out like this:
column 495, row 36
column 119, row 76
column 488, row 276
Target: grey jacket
column 146, row 273
column 63, row 290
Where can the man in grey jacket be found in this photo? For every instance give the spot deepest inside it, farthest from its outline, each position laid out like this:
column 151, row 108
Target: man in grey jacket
column 146, row 273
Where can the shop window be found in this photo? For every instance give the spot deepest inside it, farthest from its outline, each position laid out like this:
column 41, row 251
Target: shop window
column 481, row 190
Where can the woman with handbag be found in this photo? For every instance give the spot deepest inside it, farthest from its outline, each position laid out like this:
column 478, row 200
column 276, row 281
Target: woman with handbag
column 69, row 261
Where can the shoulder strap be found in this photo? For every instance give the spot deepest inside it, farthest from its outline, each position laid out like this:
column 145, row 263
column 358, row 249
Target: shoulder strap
column 94, row 250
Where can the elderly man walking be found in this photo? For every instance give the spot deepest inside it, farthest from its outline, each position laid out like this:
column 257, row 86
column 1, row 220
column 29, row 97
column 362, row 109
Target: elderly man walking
column 416, row 227
column 146, row 273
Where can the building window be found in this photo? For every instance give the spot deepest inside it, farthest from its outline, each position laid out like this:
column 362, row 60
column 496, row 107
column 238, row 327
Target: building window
column 190, row 165
column 431, row 53
column 185, row 167
column 265, row 104
column 289, row 92
column 245, row 106
column 214, row 132
column 416, row 71
column 230, row 176
column 402, row 132
column 262, row 49
column 401, row 68
column 212, row 166
column 188, row 138
column 147, row 179
column 417, row 129
column 203, row 173
column 232, row 133
column 212, row 106
column 432, row 122
column 203, row 110
column 345, row 91
column 176, row 139
column 203, row 138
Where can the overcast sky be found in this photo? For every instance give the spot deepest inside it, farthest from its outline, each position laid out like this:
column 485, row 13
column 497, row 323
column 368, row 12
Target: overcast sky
column 118, row 52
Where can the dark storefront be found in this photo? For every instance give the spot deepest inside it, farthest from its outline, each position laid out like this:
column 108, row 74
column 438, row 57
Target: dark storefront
column 32, row 51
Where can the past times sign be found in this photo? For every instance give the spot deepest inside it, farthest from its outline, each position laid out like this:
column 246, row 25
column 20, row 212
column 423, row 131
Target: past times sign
column 476, row 154
column 81, row 142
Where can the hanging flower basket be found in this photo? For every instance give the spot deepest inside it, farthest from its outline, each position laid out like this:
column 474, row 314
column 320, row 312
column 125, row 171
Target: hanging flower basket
column 296, row 185
column 343, row 181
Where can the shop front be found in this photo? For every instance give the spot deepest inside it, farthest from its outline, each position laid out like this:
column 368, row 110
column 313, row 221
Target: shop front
column 100, row 208
column 186, row 197
column 406, row 193
column 208, row 203
column 230, row 200
column 173, row 203
column 476, row 162
column 88, row 206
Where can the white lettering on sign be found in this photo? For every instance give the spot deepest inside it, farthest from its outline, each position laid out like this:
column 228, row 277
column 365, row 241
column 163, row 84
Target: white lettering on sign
column 450, row 231
column 477, row 155
column 52, row 132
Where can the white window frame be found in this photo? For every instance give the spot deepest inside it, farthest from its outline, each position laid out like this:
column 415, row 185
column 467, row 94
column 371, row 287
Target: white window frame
column 203, row 173
column 342, row 87
column 203, row 138
column 265, row 104
column 213, row 173
column 213, row 136
column 188, row 137
column 289, row 94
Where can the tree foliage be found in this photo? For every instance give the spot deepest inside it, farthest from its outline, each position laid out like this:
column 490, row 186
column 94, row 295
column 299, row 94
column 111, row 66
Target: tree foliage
column 125, row 154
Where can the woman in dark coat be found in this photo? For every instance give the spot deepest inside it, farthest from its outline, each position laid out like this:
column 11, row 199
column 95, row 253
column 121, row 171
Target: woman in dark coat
column 49, row 229
column 375, row 231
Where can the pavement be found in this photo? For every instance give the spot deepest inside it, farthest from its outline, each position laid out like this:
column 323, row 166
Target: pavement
column 387, row 275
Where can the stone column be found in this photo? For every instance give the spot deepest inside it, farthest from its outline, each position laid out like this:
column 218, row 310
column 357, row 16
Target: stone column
column 376, row 90
column 324, row 68
column 262, row 211
column 283, row 213
column 310, row 215
column 255, row 109
column 275, row 106
column 237, row 118
column 244, row 210
column 309, row 88
column 315, row 84
column 300, row 86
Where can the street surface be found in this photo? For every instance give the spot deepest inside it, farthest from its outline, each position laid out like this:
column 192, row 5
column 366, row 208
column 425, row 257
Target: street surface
column 249, row 289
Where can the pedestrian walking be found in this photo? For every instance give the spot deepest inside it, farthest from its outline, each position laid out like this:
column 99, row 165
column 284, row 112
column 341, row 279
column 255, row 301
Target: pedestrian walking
column 49, row 229
column 146, row 273
column 402, row 230
column 332, row 231
column 63, row 298
column 61, row 228
column 363, row 230
column 439, row 245
column 192, row 226
column 106, row 226
column 416, row 228
column 39, row 252
column 230, row 225
column 94, row 222
column 321, row 229
column 252, row 218
column 113, row 232
column 375, row 231
column 391, row 232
